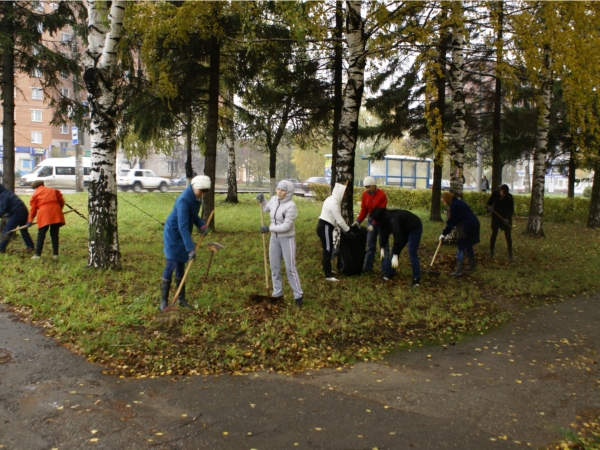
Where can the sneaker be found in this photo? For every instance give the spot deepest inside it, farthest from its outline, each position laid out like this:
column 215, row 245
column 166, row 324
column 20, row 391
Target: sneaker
column 54, row 256
column 332, row 279
column 415, row 282
column 35, row 257
column 385, row 278
column 299, row 301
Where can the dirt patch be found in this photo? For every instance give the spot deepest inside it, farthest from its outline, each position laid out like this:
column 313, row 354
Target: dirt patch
column 5, row 356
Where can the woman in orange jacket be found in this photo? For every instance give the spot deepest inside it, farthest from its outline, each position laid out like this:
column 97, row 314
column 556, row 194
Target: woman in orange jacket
column 47, row 204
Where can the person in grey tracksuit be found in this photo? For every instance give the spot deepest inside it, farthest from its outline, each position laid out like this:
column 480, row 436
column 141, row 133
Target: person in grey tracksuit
column 283, row 212
column 331, row 215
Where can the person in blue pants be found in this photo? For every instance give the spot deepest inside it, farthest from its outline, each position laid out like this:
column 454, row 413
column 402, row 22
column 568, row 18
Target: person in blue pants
column 13, row 207
column 406, row 228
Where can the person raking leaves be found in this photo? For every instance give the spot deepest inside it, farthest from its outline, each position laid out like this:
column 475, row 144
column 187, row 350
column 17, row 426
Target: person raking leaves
column 406, row 228
column 46, row 203
column 13, row 207
column 502, row 207
column 282, row 211
column 177, row 237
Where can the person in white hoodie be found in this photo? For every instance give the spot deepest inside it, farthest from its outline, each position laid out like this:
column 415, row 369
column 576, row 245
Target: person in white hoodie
column 331, row 215
column 283, row 212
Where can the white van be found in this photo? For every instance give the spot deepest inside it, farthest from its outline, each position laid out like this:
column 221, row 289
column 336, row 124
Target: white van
column 57, row 173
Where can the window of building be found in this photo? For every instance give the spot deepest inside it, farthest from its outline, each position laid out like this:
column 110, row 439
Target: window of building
column 64, row 129
column 36, row 115
column 66, row 37
column 64, row 74
column 64, row 92
column 37, row 73
column 26, row 164
column 38, row 6
column 36, row 137
column 36, row 93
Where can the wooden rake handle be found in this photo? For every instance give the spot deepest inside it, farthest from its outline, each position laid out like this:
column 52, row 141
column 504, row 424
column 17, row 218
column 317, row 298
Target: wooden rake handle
column 503, row 219
column 33, row 223
column 190, row 264
column 435, row 254
column 262, row 222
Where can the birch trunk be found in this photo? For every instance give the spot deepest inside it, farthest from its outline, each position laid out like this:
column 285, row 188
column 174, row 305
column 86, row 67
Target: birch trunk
column 212, row 129
column 594, row 215
column 457, row 138
column 8, row 99
column 348, row 131
column 338, row 66
column 100, row 75
column 497, row 120
column 232, row 191
column 536, row 206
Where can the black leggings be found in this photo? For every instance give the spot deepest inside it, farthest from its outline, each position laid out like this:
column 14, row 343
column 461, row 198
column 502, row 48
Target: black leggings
column 41, row 237
column 325, row 233
column 507, row 234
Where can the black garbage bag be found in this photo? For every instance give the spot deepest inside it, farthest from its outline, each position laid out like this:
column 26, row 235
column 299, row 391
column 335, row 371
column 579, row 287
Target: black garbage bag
column 351, row 257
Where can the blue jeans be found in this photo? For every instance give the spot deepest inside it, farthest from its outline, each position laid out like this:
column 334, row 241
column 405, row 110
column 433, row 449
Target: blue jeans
column 371, row 248
column 17, row 219
column 460, row 253
column 413, row 240
column 174, row 266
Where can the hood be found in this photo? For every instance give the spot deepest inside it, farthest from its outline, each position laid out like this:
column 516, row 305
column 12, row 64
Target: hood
column 289, row 191
column 338, row 192
column 379, row 215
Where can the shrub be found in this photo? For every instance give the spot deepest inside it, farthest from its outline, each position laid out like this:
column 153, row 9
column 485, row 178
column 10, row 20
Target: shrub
column 587, row 192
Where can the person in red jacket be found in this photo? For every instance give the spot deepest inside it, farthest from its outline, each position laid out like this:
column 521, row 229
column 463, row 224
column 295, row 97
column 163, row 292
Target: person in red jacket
column 47, row 204
column 372, row 198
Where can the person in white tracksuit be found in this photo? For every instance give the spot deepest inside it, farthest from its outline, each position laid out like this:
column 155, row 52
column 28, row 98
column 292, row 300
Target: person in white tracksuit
column 283, row 212
column 331, row 215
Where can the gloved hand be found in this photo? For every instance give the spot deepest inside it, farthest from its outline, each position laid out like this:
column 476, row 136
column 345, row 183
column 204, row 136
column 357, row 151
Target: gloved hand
column 382, row 253
column 264, row 229
column 507, row 222
column 370, row 228
column 28, row 224
column 260, row 198
column 356, row 223
column 203, row 230
column 191, row 255
column 490, row 208
column 395, row 261
column 442, row 237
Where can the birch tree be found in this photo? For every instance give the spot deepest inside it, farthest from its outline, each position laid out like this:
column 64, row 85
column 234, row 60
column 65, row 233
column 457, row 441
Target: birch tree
column 101, row 76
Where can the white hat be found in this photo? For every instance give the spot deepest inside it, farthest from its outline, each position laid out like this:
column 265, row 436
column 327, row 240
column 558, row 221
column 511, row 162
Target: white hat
column 369, row 181
column 201, row 182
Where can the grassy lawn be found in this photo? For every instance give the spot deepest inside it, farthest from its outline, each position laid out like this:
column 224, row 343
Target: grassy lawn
column 112, row 317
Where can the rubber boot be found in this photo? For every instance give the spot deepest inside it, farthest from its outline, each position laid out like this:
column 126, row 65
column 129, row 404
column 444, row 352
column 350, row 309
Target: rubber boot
column 471, row 265
column 181, row 298
column 459, row 269
column 165, row 287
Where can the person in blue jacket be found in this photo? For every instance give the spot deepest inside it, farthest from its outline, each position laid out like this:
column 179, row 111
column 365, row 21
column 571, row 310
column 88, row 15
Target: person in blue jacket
column 179, row 247
column 13, row 207
column 467, row 227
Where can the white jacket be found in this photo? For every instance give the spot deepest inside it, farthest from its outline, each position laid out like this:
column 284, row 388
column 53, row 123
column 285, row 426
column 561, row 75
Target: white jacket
column 282, row 212
column 332, row 208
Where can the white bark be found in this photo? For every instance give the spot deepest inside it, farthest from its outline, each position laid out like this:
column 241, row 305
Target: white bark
column 348, row 130
column 100, row 75
column 457, row 139
column 536, row 206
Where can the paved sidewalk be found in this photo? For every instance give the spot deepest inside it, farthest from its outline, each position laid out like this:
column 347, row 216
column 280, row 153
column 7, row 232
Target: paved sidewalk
column 510, row 388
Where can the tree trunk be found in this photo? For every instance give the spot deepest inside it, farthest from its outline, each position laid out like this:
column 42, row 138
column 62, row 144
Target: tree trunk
column 497, row 119
column 8, row 98
column 457, row 139
column 212, row 129
column 338, row 66
column 348, row 132
column 572, row 169
column 594, row 215
column 189, row 170
column 232, row 191
column 273, row 142
column 100, row 77
column 536, row 207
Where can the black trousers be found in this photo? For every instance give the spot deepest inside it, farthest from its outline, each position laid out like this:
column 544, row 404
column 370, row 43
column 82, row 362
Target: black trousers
column 325, row 233
column 41, row 237
column 507, row 233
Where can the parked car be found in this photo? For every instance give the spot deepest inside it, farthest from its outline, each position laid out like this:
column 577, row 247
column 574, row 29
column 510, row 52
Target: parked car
column 445, row 185
column 306, row 186
column 181, row 181
column 296, row 182
column 138, row 179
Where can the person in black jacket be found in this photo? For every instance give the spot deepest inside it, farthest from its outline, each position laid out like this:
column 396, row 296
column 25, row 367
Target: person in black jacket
column 502, row 207
column 13, row 207
column 406, row 229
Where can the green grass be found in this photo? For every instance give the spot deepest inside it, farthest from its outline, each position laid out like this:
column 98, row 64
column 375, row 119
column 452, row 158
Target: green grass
column 113, row 318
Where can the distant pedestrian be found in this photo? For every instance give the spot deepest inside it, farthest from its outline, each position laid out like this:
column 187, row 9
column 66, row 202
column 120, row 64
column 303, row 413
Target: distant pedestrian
column 485, row 185
column 46, row 203
column 331, row 215
column 502, row 207
column 13, row 207
column 283, row 213
column 467, row 231
column 178, row 244
column 372, row 197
